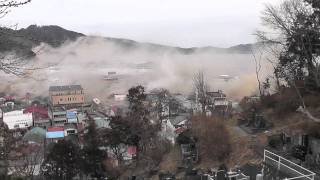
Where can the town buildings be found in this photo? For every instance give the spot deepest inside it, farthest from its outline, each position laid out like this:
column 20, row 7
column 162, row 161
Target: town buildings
column 40, row 115
column 216, row 103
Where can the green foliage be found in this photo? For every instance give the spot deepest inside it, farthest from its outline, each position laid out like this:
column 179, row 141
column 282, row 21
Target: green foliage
column 136, row 97
column 299, row 28
column 92, row 157
column 5, row 147
column 62, row 162
column 22, row 41
column 120, row 133
column 185, row 137
column 274, row 141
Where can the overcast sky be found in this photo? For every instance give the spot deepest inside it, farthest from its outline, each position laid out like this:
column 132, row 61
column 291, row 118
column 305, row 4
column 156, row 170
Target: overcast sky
column 184, row 23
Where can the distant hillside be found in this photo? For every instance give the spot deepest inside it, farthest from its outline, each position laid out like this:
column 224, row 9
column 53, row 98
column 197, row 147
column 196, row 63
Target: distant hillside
column 23, row 40
column 130, row 44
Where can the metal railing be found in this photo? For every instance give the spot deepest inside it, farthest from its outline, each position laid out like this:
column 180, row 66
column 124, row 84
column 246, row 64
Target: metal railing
column 296, row 171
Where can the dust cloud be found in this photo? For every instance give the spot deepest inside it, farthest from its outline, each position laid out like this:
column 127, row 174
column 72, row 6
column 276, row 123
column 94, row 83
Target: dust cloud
column 88, row 60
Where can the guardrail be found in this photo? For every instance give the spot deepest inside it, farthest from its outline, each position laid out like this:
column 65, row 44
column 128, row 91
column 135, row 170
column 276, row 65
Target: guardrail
column 300, row 173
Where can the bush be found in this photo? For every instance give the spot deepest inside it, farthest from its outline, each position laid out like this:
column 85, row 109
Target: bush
column 283, row 102
column 213, row 137
column 274, row 141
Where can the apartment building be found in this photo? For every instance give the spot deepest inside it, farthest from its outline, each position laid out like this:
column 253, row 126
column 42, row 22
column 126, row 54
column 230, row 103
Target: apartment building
column 66, row 95
column 62, row 99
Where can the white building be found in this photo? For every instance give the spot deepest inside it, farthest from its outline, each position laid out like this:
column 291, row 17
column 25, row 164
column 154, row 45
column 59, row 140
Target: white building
column 120, row 97
column 173, row 126
column 17, row 119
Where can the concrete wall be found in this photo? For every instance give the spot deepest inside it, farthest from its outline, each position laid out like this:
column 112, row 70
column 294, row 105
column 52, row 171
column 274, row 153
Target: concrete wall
column 67, row 99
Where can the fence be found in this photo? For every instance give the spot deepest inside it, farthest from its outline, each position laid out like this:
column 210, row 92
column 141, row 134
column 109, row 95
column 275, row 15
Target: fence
column 287, row 170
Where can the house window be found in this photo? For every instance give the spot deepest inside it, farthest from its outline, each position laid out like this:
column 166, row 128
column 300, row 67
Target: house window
column 71, row 132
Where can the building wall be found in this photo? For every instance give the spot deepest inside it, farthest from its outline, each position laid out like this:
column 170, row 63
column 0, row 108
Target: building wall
column 17, row 119
column 67, row 99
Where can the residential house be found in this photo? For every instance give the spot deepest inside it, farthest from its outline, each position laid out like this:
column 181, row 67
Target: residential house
column 53, row 134
column 101, row 120
column 70, row 129
column 126, row 152
column 218, row 102
column 173, row 126
column 72, row 116
column 40, row 115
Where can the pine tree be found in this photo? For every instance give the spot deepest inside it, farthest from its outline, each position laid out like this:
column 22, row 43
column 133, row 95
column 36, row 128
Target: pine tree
column 91, row 156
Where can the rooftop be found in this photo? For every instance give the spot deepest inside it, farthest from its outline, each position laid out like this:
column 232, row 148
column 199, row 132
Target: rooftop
column 178, row 119
column 215, row 94
column 65, row 88
column 36, row 134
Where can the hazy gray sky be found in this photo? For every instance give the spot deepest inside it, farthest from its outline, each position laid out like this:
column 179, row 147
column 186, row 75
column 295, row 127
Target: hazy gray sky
column 183, row 23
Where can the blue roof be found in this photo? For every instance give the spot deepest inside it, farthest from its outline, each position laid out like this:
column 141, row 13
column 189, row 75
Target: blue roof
column 55, row 134
column 71, row 115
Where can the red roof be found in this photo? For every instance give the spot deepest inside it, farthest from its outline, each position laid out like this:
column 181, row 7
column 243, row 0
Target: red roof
column 9, row 98
column 132, row 150
column 40, row 111
column 180, row 130
column 52, row 129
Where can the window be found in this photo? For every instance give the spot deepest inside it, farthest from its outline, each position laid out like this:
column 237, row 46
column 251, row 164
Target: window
column 71, row 132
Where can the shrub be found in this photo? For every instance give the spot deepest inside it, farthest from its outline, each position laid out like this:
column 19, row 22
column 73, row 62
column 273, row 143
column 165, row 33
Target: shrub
column 274, row 141
column 213, row 137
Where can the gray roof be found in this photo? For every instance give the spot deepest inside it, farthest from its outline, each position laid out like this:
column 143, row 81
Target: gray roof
column 178, row 119
column 65, row 88
column 70, row 126
column 216, row 94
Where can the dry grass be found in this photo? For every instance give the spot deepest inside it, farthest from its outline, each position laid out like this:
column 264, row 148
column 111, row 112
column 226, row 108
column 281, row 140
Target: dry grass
column 171, row 160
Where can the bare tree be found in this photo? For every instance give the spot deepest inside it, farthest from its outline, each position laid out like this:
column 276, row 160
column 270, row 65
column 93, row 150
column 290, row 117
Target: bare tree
column 201, row 88
column 161, row 106
column 257, row 61
column 6, row 5
column 28, row 165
